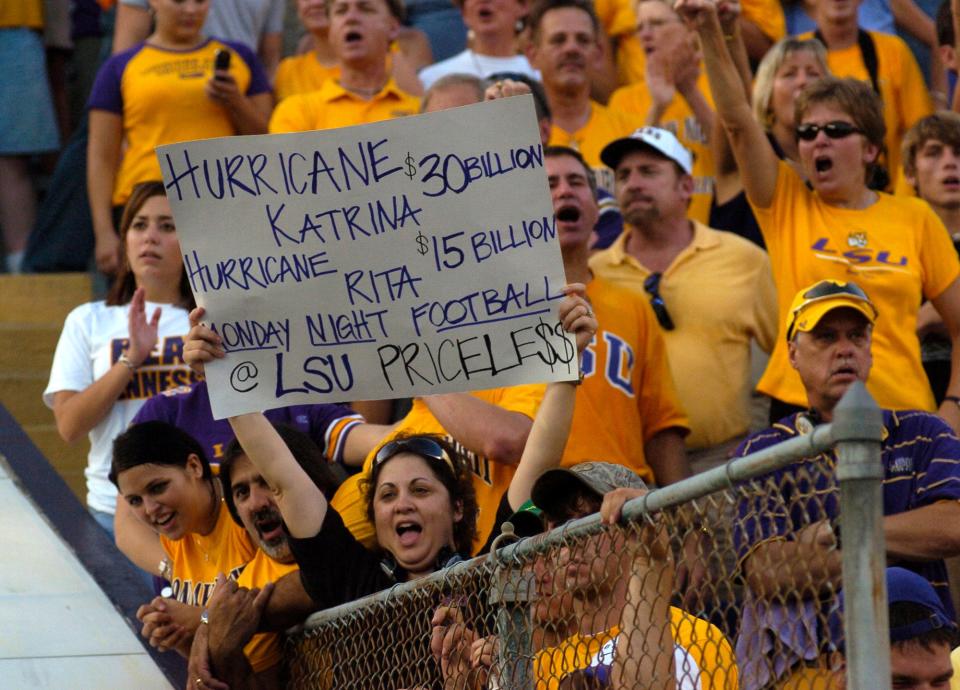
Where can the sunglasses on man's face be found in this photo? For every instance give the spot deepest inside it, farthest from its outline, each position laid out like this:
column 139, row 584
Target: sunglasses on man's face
column 835, row 130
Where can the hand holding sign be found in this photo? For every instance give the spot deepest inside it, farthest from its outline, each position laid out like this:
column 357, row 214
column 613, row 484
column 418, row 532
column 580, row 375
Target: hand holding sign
column 386, row 260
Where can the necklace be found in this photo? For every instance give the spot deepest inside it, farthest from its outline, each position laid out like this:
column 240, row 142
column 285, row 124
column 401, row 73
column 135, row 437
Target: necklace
column 200, row 539
column 365, row 93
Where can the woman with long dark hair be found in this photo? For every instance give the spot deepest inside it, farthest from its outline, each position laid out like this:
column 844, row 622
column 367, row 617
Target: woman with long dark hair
column 113, row 355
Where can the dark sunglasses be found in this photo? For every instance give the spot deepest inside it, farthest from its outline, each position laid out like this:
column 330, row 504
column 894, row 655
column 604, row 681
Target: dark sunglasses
column 835, row 130
column 829, row 288
column 652, row 286
column 418, row 445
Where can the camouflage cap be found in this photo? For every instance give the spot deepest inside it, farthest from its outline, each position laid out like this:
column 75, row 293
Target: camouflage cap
column 554, row 487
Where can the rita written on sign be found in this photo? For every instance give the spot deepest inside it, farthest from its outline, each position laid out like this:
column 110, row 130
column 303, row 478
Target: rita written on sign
column 387, row 260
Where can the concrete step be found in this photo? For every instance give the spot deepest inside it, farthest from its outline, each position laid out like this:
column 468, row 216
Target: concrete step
column 21, row 393
column 32, row 311
column 42, row 298
column 28, row 347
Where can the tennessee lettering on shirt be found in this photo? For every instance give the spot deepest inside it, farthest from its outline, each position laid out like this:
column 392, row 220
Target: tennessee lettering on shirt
column 148, row 379
column 197, row 593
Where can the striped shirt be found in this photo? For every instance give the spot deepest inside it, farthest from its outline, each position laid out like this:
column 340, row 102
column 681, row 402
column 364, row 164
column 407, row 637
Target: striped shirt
column 921, row 461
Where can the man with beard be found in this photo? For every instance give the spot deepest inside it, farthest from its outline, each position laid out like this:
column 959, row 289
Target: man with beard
column 627, row 410
column 238, row 656
column 364, row 91
column 712, row 292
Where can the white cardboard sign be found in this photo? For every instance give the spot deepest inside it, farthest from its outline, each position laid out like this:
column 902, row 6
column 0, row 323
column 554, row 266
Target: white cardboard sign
column 396, row 259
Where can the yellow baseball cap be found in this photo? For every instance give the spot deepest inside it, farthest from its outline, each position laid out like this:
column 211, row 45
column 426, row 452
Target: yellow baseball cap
column 813, row 303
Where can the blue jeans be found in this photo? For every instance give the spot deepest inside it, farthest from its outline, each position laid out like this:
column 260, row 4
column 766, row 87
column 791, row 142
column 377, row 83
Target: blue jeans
column 103, row 519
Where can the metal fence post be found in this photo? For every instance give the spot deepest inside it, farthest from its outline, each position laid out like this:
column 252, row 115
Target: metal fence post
column 513, row 592
column 857, row 429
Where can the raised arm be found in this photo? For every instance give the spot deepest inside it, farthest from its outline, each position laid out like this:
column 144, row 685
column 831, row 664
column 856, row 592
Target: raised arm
column 484, row 428
column 755, row 157
column 301, row 502
column 77, row 412
column 727, row 173
column 551, row 426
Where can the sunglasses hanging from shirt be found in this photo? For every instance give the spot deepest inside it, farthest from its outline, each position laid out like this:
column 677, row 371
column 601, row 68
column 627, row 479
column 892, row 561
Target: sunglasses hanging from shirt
column 652, row 286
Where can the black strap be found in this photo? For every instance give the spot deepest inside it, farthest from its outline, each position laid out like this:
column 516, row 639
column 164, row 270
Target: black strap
column 868, row 51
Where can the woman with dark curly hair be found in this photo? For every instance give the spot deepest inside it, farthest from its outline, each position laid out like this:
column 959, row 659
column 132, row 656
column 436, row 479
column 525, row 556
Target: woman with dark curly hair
column 419, row 496
column 420, row 499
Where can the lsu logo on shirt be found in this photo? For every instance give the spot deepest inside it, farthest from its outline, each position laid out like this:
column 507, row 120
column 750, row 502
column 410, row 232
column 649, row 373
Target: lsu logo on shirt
column 162, row 370
column 858, row 253
column 618, row 367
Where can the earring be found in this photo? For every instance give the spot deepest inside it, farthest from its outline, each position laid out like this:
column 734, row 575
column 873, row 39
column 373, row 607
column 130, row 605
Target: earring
column 518, row 27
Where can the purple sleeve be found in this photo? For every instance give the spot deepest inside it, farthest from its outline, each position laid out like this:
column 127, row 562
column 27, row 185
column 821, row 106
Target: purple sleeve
column 323, row 418
column 938, row 469
column 106, row 93
column 259, row 83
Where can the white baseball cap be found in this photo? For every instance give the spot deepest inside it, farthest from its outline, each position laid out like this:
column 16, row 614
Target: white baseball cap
column 662, row 141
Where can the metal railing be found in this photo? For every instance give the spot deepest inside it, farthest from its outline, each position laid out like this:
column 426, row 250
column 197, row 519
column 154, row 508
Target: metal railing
column 727, row 579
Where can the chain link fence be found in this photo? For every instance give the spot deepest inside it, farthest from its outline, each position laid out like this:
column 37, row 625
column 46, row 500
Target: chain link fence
column 726, row 580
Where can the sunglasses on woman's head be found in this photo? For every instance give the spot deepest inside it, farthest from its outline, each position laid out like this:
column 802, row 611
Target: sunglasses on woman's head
column 835, row 130
column 418, row 445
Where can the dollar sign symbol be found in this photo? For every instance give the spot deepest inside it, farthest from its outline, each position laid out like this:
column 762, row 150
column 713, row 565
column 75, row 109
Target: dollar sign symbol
column 422, row 244
column 411, row 171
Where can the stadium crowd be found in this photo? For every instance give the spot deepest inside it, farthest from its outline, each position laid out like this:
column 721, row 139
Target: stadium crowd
column 757, row 205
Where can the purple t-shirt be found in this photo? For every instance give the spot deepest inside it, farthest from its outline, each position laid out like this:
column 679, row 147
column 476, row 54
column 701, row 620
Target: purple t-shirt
column 188, row 408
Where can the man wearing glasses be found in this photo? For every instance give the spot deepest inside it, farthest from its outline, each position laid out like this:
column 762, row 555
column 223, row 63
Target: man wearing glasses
column 711, row 291
column 788, row 538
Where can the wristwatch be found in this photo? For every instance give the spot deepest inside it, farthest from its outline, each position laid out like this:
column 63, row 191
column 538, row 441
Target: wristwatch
column 165, row 569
